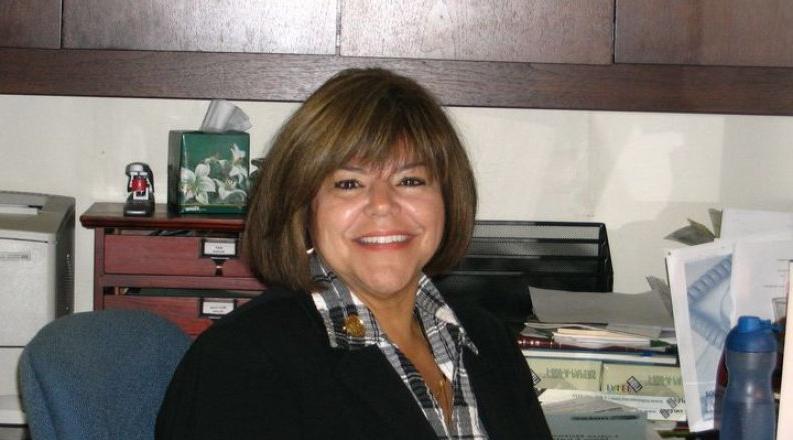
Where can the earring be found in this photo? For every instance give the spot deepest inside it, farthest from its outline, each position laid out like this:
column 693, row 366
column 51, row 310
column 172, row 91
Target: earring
column 310, row 251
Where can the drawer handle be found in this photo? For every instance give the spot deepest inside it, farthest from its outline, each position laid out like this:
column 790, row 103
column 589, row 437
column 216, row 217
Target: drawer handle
column 219, row 250
column 219, row 266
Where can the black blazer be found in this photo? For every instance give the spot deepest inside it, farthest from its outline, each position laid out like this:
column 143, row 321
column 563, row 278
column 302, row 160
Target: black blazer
column 267, row 371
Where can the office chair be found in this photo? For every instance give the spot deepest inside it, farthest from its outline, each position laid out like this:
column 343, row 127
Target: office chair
column 99, row 375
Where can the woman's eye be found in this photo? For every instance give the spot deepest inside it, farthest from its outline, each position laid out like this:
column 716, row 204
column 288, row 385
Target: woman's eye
column 347, row 184
column 412, row 181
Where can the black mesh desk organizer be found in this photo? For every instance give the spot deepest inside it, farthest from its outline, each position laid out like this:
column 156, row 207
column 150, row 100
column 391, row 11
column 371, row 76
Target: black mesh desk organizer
column 505, row 257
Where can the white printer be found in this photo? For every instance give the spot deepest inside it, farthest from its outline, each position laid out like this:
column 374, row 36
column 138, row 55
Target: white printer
column 36, row 279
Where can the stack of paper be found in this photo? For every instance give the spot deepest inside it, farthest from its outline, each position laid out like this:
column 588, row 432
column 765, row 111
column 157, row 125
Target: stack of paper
column 589, row 338
column 652, row 308
column 584, row 338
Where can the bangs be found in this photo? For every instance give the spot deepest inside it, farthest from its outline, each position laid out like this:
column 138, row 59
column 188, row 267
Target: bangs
column 392, row 133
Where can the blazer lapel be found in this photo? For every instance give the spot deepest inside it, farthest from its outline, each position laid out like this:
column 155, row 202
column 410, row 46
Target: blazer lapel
column 368, row 377
column 496, row 409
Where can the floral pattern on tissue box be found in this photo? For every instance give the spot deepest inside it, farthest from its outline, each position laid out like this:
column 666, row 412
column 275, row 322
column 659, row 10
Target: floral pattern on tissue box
column 208, row 173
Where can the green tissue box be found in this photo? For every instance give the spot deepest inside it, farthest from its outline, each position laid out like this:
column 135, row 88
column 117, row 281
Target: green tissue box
column 208, row 172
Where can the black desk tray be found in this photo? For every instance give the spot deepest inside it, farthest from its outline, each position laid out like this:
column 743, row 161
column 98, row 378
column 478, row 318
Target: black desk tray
column 506, row 257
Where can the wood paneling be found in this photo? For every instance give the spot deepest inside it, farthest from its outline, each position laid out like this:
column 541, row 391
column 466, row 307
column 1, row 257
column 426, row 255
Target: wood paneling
column 551, row 31
column 708, row 32
column 30, row 23
column 277, row 26
column 658, row 88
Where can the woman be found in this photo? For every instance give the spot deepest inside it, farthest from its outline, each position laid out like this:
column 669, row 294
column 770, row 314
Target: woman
column 365, row 192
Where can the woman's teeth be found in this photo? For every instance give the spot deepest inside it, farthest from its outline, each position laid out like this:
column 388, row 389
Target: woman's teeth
column 383, row 239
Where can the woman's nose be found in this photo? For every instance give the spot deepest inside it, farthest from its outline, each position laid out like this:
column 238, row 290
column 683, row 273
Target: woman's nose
column 382, row 199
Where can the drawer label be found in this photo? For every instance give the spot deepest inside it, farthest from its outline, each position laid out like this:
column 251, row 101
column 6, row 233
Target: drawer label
column 219, row 247
column 217, row 307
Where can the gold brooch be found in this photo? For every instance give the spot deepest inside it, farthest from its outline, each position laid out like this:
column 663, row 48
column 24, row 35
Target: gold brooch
column 354, row 327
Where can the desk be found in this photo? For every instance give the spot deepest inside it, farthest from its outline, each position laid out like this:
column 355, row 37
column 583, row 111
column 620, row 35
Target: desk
column 164, row 264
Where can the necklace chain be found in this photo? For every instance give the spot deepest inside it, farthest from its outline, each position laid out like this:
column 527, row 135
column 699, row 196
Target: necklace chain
column 442, row 392
column 442, row 396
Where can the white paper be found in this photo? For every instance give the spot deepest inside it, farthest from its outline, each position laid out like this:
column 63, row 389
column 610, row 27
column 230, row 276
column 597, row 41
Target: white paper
column 656, row 407
column 583, row 404
column 648, row 331
column 760, row 277
column 598, row 338
column 699, row 280
column 785, row 420
column 601, row 307
column 740, row 223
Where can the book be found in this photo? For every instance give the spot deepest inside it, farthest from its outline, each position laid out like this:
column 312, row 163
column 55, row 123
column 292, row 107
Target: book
column 526, row 341
column 566, row 374
column 642, row 380
column 644, row 357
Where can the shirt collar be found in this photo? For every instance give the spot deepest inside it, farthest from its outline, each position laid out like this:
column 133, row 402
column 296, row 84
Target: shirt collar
column 340, row 308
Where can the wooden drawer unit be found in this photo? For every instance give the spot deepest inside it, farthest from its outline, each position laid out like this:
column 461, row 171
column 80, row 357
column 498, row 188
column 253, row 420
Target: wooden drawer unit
column 192, row 263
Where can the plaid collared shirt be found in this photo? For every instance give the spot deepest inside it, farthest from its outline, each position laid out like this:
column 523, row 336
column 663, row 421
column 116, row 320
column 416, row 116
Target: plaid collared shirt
column 446, row 336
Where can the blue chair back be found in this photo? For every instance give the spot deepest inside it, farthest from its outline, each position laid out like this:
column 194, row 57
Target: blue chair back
column 99, row 375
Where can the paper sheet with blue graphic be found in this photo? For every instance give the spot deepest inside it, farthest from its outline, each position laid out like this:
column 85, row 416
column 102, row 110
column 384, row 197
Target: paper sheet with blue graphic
column 699, row 278
column 745, row 273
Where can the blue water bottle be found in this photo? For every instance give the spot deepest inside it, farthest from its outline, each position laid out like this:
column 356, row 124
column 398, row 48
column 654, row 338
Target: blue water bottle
column 750, row 355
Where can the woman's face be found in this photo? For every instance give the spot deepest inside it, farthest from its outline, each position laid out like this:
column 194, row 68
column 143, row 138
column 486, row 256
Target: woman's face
column 378, row 228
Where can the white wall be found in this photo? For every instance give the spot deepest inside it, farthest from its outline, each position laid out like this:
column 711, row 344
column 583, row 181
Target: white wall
column 642, row 174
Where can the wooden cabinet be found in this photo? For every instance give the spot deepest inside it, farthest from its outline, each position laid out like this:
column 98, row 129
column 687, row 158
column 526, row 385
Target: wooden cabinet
column 707, row 32
column 555, row 54
column 272, row 26
column 542, row 31
column 169, row 264
column 30, row 23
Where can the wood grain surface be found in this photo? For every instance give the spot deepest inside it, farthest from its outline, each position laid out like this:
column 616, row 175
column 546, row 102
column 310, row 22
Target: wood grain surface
column 177, row 256
column 708, row 32
column 111, row 215
column 657, row 88
column 184, row 312
column 30, row 23
column 558, row 31
column 276, row 26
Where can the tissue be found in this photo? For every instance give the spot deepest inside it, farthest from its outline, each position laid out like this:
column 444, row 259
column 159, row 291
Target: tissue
column 224, row 116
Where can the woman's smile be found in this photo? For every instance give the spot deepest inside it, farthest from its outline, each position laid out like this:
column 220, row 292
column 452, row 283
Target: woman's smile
column 376, row 241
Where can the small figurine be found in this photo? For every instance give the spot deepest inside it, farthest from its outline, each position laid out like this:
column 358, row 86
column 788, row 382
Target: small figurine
column 140, row 186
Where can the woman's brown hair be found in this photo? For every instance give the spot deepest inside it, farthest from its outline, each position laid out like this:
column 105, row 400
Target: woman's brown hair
column 373, row 116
